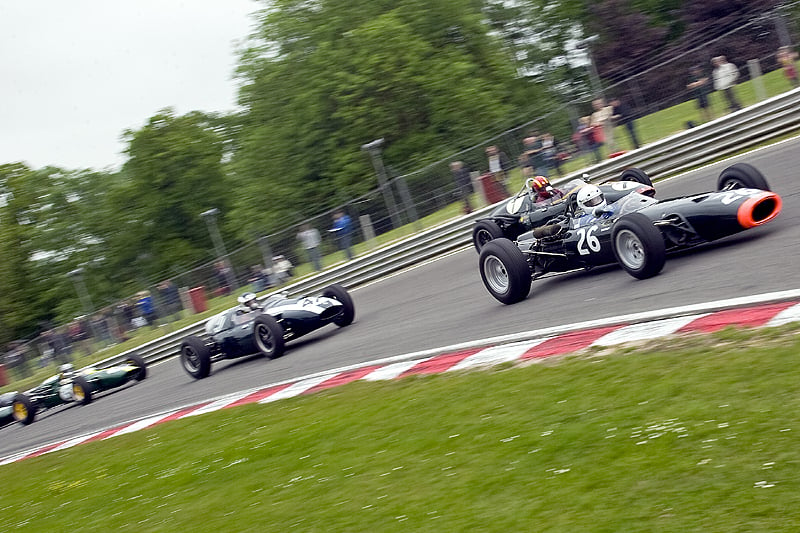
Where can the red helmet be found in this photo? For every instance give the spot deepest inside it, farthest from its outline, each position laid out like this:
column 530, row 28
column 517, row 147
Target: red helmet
column 538, row 183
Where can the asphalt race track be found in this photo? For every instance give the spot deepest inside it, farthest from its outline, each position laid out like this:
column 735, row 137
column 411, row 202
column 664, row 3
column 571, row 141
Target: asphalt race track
column 444, row 302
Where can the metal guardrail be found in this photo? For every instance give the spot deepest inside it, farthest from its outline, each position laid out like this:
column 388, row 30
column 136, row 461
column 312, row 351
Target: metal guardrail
column 724, row 136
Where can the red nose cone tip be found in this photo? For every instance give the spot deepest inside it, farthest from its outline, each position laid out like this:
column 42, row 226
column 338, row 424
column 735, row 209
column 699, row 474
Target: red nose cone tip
column 759, row 210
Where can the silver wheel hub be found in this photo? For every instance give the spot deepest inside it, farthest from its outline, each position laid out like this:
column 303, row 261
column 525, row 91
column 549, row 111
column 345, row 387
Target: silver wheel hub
column 630, row 249
column 496, row 274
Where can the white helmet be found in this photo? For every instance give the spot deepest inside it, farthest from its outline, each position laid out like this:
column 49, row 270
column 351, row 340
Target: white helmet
column 65, row 370
column 591, row 199
column 248, row 301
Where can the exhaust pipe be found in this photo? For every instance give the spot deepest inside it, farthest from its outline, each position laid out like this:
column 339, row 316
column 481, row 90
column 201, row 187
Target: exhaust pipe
column 759, row 210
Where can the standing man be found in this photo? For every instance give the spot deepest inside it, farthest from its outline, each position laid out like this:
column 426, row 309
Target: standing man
column 311, row 240
column 600, row 121
column 342, row 229
column 463, row 183
column 700, row 87
column 725, row 76
column 621, row 115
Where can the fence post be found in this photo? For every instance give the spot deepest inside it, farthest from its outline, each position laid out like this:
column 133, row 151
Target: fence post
column 755, row 76
column 367, row 230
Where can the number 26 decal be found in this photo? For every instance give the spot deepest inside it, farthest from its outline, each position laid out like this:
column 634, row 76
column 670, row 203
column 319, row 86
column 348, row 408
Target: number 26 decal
column 587, row 242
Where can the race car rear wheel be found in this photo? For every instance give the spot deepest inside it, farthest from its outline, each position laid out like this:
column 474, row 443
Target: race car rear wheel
column 742, row 175
column 340, row 294
column 268, row 336
column 484, row 232
column 638, row 246
column 505, row 271
column 636, row 174
column 195, row 357
column 137, row 360
column 81, row 390
column 24, row 410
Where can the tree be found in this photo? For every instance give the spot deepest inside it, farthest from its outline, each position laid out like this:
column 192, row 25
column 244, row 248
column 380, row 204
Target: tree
column 174, row 173
column 322, row 78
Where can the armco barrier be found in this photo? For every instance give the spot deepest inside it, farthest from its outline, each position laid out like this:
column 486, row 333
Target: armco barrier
column 727, row 135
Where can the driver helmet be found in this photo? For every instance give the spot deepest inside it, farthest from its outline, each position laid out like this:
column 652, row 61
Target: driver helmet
column 248, row 301
column 590, row 199
column 65, row 370
column 539, row 185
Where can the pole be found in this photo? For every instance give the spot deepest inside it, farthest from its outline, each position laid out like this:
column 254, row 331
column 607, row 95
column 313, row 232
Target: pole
column 374, row 150
column 219, row 246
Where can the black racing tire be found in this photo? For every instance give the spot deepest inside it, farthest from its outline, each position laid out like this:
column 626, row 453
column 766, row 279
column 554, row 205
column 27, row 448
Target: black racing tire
column 81, row 390
column 24, row 410
column 134, row 359
column 340, row 294
column 195, row 357
column 638, row 246
column 636, row 174
column 505, row 271
column 485, row 231
column 268, row 336
column 742, row 175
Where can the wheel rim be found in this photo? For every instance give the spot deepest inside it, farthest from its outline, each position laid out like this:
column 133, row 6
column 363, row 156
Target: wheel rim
column 630, row 249
column 78, row 392
column 483, row 236
column 264, row 339
column 191, row 361
column 733, row 183
column 20, row 411
column 496, row 274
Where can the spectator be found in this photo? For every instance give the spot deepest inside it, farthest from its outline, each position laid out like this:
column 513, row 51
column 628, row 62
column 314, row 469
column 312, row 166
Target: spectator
column 533, row 156
column 78, row 332
column 342, row 228
column 585, row 140
column 310, row 239
column 602, row 125
column 281, row 269
column 725, row 75
column 499, row 165
column 550, row 153
column 700, row 87
column 146, row 309
column 787, row 57
column 463, row 183
column 222, row 272
column 170, row 299
column 16, row 359
column 258, row 279
column 621, row 115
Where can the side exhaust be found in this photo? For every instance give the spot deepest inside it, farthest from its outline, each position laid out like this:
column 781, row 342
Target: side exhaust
column 759, row 210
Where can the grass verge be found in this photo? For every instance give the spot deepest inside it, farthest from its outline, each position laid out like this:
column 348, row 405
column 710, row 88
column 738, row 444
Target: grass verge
column 696, row 433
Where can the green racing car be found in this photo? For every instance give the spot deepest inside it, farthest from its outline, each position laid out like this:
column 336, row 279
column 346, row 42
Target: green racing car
column 69, row 386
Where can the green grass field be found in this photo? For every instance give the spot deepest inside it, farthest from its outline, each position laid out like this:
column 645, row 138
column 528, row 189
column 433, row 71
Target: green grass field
column 683, row 434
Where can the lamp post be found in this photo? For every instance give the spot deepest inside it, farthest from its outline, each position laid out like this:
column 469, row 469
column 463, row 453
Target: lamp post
column 83, row 295
column 374, row 150
column 594, row 77
column 210, row 217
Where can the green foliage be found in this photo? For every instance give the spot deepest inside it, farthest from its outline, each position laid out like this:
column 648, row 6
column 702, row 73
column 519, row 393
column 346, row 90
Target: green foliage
column 174, row 173
column 326, row 77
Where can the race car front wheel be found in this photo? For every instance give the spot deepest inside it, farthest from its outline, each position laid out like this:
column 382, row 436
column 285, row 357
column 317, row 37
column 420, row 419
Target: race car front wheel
column 137, row 360
column 81, row 390
column 340, row 294
column 195, row 357
column 638, row 246
column 505, row 271
column 24, row 410
column 268, row 336
column 636, row 174
column 485, row 231
column 742, row 175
